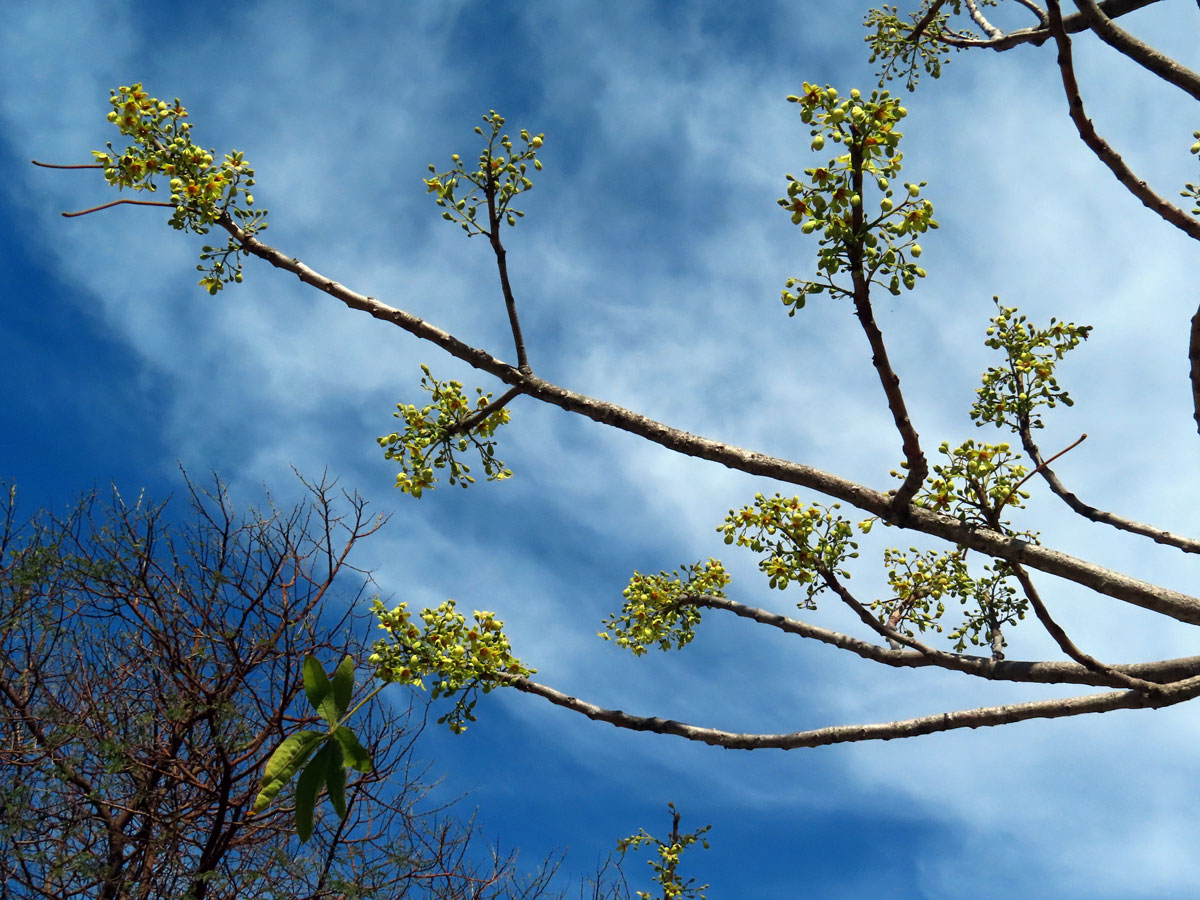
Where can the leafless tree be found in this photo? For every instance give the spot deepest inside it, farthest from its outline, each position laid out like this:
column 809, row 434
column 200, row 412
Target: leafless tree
column 149, row 665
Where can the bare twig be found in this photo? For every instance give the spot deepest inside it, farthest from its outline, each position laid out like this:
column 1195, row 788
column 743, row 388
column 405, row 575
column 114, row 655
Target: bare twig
column 56, row 166
column 1194, row 359
column 1169, row 70
column 1039, row 467
column 978, row 17
column 1158, row 535
column 1043, row 19
column 1163, row 600
column 1068, row 647
column 84, row 212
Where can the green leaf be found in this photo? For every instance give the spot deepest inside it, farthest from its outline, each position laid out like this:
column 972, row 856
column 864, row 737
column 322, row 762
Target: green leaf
column 356, row 754
column 307, row 788
column 316, row 684
column 319, row 690
column 335, row 778
column 287, row 759
column 343, row 687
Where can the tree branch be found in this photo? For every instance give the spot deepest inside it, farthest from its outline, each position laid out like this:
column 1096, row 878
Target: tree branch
column 1042, row 18
column 930, row 14
column 917, row 466
column 1168, row 212
column 84, row 212
column 892, row 635
column 1158, row 535
column 1143, row 54
column 1039, row 672
column 1072, row 24
column 510, row 303
column 482, row 413
column 1068, row 646
column 1194, row 359
column 1168, row 602
column 982, row 717
column 981, row 20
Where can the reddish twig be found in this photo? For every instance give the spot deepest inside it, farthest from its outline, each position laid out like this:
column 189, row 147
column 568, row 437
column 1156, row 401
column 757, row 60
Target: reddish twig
column 1040, row 467
column 84, row 212
column 56, row 166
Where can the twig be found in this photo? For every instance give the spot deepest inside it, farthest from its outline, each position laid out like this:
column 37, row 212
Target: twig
column 886, row 631
column 988, row 28
column 510, row 303
column 1043, row 20
column 1158, row 535
column 1194, row 359
column 1072, row 24
column 918, row 467
column 55, row 166
column 1143, row 54
column 480, row 414
column 1039, row 467
column 1068, row 647
column 84, row 212
column 919, row 28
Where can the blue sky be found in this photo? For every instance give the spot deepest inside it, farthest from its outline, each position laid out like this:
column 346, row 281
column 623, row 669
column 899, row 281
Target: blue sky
column 647, row 270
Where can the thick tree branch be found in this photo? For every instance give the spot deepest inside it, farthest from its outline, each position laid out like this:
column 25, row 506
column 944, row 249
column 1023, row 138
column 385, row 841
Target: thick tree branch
column 1162, row 600
column 982, row 717
column 1158, row 535
column 1168, row 212
column 1143, row 54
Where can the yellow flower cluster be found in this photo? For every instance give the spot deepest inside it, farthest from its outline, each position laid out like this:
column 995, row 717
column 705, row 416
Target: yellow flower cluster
column 462, row 658
column 202, row 191
column 657, row 611
column 882, row 245
column 434, row 434
column 800, row 541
